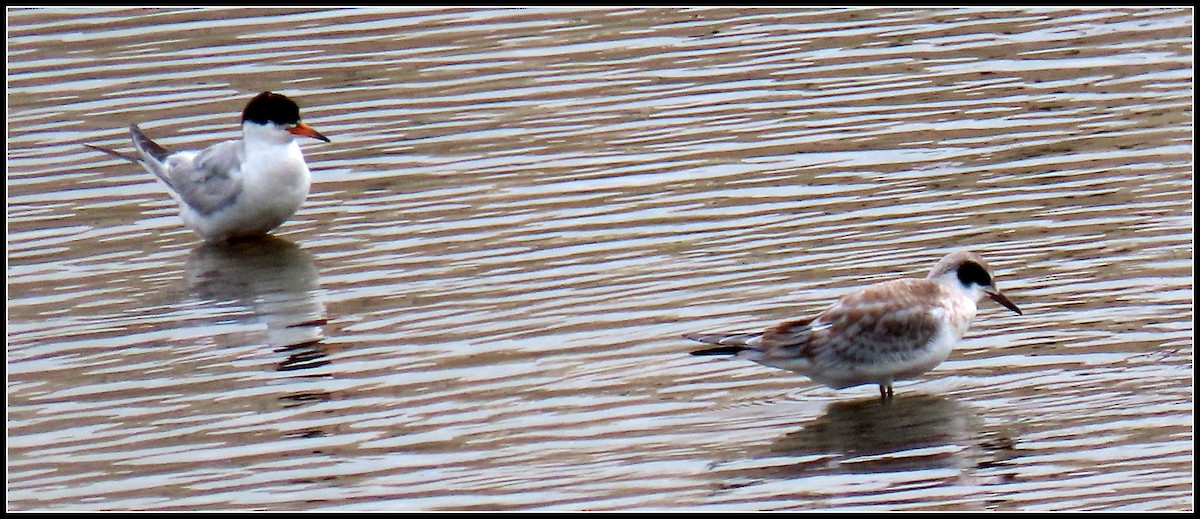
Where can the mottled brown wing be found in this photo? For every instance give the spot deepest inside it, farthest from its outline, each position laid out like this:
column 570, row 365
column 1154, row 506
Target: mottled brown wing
column 891, row 319
column 786, row 339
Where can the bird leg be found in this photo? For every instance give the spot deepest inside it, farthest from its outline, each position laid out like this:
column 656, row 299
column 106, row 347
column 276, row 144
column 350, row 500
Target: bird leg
column 885, row 392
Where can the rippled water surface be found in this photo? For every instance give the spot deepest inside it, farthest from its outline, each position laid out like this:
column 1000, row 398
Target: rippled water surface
column 480, row 305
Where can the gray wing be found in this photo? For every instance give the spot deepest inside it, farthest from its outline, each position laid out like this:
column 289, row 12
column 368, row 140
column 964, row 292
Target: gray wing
column 209, row 180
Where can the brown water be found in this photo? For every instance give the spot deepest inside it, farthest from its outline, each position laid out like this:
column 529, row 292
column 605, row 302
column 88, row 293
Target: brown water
column 480, row 305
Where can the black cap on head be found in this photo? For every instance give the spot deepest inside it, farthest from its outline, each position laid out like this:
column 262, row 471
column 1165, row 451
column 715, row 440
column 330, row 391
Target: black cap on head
column 972, row 272
column 271, row 107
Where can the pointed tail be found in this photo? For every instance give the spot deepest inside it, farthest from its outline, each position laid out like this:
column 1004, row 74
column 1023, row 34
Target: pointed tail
column 727, row 343
column 150, row 155
column 147, row 147
column 116, row 154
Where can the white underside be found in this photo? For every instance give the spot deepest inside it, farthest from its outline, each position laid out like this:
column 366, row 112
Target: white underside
column 254, row 213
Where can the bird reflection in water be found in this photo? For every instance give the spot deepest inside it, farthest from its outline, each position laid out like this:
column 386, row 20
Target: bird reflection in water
column 277, row 281
column 913, row 433
column 864, row 432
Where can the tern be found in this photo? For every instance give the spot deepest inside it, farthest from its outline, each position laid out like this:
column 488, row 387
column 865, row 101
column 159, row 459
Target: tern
column 876, row 335
column 238, row 188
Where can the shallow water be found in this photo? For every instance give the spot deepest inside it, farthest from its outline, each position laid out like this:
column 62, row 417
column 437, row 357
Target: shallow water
column 480, row 305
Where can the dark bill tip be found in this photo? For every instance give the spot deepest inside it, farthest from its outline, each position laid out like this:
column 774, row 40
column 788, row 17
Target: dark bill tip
column 305, row 130
column 1000, row 298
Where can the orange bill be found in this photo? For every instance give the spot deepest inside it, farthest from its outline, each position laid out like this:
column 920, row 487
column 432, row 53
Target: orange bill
column 305, row 130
